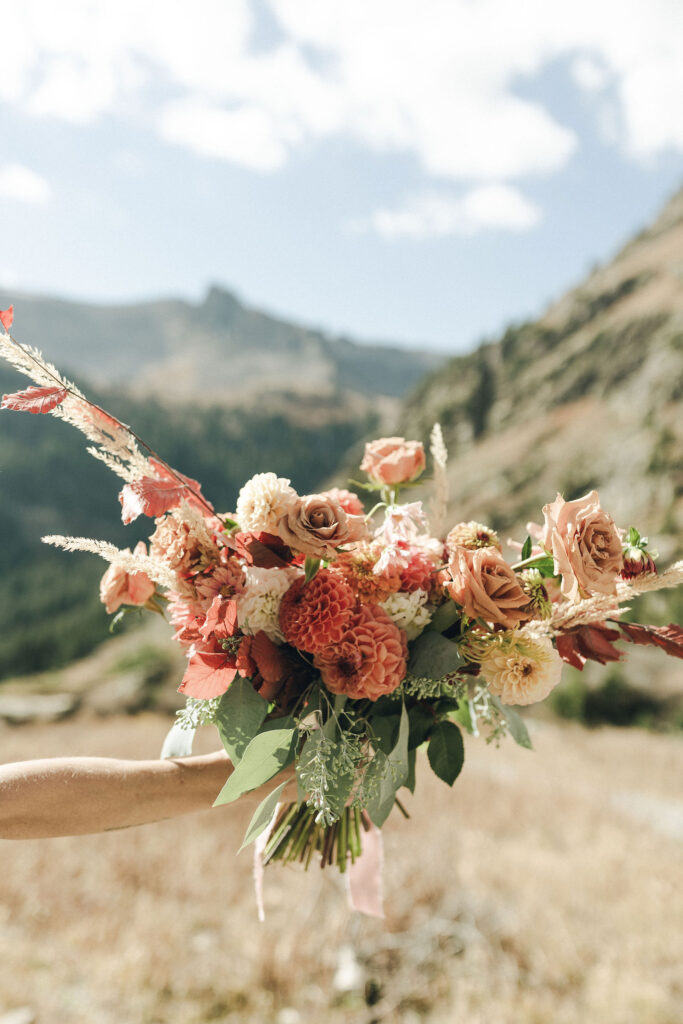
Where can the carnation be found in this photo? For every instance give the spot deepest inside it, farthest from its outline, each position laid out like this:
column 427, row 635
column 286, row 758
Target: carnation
column 258, row 607
column 521, row 669
column 408, row 611
column 316, row 613
column 370, row 659
column 262, row 501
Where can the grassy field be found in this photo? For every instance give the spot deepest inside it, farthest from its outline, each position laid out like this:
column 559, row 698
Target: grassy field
column 544, row 889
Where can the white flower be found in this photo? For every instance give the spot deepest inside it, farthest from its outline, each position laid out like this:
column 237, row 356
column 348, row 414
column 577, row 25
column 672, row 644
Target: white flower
column 521, row 669
column 262, row 501
column 258, row 607
column 408, row 611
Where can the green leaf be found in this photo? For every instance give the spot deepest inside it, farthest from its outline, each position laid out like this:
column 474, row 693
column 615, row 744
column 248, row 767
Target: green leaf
column 446, row 752
column 410, row 781
column 421, row 721
column 386, row 730
column 239, row 717
column 311, row 566
column 433, row 656
column 515, row 723
column 526, row 549
column 463, row 717
column 267, row 754
column 544, row 563
column 444, row 617
column 388, row 773
column 262, row 815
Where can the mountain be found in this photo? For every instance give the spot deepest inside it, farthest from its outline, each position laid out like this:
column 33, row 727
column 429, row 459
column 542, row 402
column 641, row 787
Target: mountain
column 218, row 351
column 589, row 395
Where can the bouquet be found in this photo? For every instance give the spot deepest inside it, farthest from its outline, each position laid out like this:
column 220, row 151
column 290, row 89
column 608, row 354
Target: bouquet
column 340, row 640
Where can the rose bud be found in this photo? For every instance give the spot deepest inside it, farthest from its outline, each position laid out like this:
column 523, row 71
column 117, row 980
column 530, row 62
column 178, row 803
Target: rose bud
column 393, row 460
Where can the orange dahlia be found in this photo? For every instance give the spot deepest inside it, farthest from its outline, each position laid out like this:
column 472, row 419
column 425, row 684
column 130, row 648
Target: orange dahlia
column 316, row 614
column 369, row 661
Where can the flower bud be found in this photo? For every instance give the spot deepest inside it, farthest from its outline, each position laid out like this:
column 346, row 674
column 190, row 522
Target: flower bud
column 637, row 562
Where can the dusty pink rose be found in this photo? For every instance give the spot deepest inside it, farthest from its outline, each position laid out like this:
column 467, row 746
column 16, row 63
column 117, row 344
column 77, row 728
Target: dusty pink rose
column 487, row 587
column 118, row 586
column 585, row 544
column 348, row 500
column 370, row 659
column 316, row 525
column 393, row 460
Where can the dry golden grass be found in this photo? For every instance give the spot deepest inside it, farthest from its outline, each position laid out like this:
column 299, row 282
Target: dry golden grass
column 545, row 888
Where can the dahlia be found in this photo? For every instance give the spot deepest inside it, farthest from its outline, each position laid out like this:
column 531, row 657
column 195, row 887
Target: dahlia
column 262, row 501
column 370, row 659
column 258, row 606
column 521, row 669
column 408, row 611
column 316, row 614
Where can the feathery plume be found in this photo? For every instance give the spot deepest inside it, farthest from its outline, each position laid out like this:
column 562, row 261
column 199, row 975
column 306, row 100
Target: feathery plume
column 153, row 567
column 438, row 506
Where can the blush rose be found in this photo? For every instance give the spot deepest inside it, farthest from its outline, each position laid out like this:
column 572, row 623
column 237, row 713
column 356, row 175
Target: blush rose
column 393, row 460
column 585, row 545
column 317, row 525
column 487, row 587
column 118, row 586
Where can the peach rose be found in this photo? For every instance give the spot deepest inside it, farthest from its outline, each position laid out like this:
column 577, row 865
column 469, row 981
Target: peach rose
column 585, row 544
column 393, row 460
column 118, row 586
column 348, row 500
column 316, row 525
column 487, row 587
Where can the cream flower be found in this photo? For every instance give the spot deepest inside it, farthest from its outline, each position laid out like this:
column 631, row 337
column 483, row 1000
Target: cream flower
column 262, row 501
column 520, row 669
column 408, row 611
column 258, row 607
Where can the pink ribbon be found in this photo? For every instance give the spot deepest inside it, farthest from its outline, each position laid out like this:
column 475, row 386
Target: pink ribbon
column 364, row 877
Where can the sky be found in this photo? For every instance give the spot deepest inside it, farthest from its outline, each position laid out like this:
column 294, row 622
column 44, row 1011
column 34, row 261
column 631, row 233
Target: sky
column 415, row 171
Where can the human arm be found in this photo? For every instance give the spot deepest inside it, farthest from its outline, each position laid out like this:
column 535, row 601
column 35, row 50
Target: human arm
column 79, row 795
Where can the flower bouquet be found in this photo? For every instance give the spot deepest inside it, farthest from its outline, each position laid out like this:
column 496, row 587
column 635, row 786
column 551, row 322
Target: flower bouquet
column 340, row 640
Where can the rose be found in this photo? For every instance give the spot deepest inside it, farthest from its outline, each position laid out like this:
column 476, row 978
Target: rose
column 487, row 587
column 393, row 460
column 348, row 500
column 316, row 525
column 118, row 586
column 585, row 545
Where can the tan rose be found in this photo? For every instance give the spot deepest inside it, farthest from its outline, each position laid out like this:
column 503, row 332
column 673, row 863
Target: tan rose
column 585, row 544
column 316, row 525
column 118, row 586
column 487, row 588
column 393, row 460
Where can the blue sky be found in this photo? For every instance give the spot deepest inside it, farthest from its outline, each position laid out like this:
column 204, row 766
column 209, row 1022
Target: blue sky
column 421, row 171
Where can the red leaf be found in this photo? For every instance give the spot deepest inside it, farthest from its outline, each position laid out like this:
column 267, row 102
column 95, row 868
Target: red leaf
column 588, row 643
column 6, row 317
column 149, row 497
column 270, row 659
column 221, row 619
column 35, row 400
column 195, row 496
column 669, row 638
column 263, row 550
column 208, row 675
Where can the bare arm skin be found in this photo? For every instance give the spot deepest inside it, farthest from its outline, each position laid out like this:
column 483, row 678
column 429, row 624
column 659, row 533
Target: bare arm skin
column 68, row 796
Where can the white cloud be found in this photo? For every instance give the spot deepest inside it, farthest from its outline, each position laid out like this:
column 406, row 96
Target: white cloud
column 439, row 214
column 24, row 185
column 436, row 79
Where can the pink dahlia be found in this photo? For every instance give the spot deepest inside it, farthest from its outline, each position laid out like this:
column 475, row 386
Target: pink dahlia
column 316, row 614
column 369, row 661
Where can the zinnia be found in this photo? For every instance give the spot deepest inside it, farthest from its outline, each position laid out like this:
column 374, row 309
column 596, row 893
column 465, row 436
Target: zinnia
column 369, row 661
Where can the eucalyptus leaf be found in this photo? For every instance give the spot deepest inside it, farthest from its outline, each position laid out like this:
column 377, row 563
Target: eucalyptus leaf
column 239, row 717
column 444, row 617
column 262, row 816
column 446, row 751
column 387, row 774
column 267, row 754
column 515, row 723
column 433, row 656
column 410, row 781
